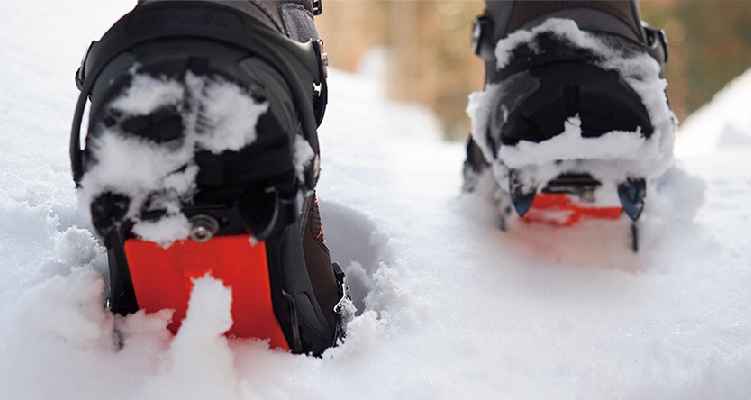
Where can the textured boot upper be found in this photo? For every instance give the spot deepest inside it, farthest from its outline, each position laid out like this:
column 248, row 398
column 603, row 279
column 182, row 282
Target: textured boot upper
column 294, row 18
column 620, row 17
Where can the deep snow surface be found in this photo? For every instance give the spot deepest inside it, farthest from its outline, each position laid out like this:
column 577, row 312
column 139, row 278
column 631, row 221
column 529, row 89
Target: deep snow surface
column 454, row 308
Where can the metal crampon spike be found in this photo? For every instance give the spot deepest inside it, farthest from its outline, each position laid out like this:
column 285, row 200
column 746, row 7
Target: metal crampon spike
column 522, row 195
column 635, row 236
column 522, row 202
column 632, row 194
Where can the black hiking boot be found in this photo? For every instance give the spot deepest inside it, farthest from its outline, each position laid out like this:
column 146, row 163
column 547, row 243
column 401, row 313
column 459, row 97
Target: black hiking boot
column 201, row 157
column 574, row 104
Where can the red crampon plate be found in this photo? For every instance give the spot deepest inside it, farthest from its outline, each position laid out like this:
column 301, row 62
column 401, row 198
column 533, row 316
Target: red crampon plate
column 560, row 210
column 163, row 278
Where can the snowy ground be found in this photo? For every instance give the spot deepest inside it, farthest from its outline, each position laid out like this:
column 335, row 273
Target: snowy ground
column 454, row 308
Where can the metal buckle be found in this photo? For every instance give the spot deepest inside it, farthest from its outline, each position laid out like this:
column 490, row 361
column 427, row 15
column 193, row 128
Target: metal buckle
column 317, row 7
column 482, row 38
column 657, row 40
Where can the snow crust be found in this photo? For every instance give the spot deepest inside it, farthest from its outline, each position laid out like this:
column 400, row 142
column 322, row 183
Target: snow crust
column 650, row 158
column 449, row 306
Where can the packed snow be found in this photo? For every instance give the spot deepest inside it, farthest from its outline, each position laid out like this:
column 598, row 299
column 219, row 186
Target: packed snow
column 450, row 307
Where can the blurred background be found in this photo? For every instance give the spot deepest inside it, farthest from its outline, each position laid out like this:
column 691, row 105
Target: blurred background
column 423, row 49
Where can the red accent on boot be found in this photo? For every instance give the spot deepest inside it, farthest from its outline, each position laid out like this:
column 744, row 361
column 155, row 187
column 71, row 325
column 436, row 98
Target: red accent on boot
column 163, row 278
column 560, row 210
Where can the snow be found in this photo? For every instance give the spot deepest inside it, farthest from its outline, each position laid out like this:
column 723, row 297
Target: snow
column 722, row 123
column 231, row 114
column 571, row 145
column 362, row 97
column 450, row 306
column 165, row 231
column 148, row 93
column 304, row 155
column 199, row 360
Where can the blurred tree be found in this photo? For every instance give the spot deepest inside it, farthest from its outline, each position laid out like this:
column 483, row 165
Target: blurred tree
column 432, row 63
column 350, row 28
